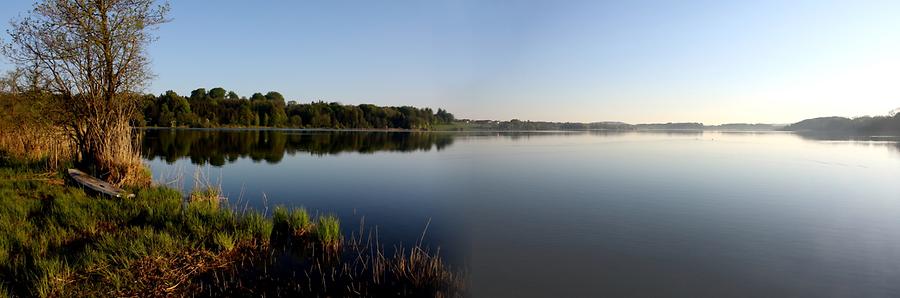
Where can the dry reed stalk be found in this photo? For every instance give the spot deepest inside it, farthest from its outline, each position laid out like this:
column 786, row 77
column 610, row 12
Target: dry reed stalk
column 204, row 189
column 173, row 275
column 35, row 142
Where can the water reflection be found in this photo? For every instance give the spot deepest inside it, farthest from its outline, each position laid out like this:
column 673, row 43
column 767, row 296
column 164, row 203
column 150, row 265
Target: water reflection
column 827, row 136
column 218, row 147
column 591, row 213
column 892, row 142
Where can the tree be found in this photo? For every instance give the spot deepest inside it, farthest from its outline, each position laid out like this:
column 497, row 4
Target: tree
column 296, row 121
column 149, row 111
column 93, row 56
column 177, row 103
column 217, row 93
column 444, row 117
column 275, row 96
column 166, row 117
column 257, row 96
column 198, row 94
column 246, row 117
column 232, row 95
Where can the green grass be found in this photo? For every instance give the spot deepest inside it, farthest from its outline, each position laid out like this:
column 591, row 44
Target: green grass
column 328, row 231
column 57, row 240
column 293, row 222
column 224, row 241
column 48, row 230
column 53, row 236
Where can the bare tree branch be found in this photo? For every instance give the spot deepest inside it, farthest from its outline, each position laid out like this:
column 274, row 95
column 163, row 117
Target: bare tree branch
column 92, row 54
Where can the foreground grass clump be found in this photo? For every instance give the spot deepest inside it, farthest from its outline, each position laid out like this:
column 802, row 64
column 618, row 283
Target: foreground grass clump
column 294, row 222
column 58, row 241
column 328, row 230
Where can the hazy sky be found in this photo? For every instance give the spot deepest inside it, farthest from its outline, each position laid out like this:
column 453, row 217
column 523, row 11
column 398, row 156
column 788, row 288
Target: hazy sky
column 632, row 61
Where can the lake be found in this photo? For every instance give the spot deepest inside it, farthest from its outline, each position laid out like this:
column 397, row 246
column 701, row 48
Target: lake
column 563, row 214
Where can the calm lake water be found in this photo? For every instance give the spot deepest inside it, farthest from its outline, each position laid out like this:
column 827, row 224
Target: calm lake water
column 565, row 214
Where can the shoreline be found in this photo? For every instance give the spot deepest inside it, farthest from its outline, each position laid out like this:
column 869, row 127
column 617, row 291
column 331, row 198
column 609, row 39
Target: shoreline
column 397, row 130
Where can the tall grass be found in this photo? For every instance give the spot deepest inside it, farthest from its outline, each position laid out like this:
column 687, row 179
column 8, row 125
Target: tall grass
column 293, row 222
column 46, row 147
column 33, row 129
column 328, row 231
column 27, row 134
column 204, row 189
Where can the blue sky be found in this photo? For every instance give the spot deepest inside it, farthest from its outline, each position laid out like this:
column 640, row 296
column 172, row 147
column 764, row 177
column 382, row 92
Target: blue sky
column 632, row 61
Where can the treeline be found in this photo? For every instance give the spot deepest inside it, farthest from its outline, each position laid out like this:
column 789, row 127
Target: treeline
column 220, row 108
column 516, row 124
column 682, row 125
column 889, row 125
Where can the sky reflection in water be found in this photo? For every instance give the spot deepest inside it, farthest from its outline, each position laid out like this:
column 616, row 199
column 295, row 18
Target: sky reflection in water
column 588, row 213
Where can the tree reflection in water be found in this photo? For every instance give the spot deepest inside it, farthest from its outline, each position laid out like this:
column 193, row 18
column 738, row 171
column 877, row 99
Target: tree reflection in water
column 218, row 147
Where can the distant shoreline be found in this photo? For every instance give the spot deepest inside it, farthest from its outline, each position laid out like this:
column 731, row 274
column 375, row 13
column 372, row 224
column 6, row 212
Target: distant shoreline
column 822, row 135
column 470, row 130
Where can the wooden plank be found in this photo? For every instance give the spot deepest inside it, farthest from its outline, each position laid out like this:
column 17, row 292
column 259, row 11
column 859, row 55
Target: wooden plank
column 97, row 185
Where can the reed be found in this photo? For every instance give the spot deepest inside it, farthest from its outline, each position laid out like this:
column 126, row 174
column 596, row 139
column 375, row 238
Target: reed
column 328, row 232
column 291, row 222
column 205, row 190
column 25, row 134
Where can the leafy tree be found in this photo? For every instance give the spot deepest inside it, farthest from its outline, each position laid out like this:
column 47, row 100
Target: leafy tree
column 444, row 117
column 198, row 94
column 217, row 93
column 247, row 117
column 275, row 96
column 178, row 104
column 257, row 96
column 166, row 117
column 296, row 121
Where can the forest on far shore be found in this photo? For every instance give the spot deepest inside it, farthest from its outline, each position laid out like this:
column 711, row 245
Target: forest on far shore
column 878, row 125
column 220, row 108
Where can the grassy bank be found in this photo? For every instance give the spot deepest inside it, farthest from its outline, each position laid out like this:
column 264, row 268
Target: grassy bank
column 57, row 240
